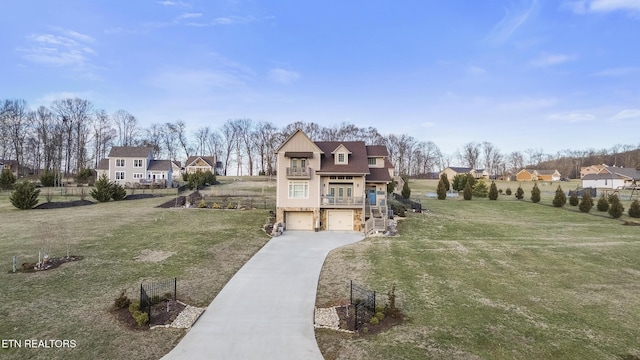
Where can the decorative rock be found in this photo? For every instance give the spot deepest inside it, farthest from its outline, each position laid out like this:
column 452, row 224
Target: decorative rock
column 185, row 319
column 327, row 318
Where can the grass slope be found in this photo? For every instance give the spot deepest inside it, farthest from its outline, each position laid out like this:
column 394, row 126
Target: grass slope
column 202, row 248
column 499, row 279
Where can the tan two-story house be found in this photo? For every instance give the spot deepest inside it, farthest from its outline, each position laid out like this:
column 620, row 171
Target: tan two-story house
column 332, row 185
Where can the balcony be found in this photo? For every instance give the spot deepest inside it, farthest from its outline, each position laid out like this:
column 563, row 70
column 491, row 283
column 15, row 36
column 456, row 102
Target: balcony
column 328, row 201
column 298, row 173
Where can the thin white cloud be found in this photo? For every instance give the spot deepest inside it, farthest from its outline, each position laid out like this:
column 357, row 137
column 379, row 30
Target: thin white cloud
column 616, row 72
column 602, row 6
column 229, row 65
column 476, row 70
column 189, row 16
column 512, row 20
column 627, row 114
column 428, row 124
column 194, row 80
column 174, row 3
column 77, row 36
column 48, row 98
column 546, row 59
column 232, row 20
column 526, row 104
column 573, row 117
column 614, row 5
column 283, row 76
column 61, row 48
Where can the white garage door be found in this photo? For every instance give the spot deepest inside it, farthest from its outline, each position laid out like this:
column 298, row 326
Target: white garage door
column 340, row 220
column 299, row 220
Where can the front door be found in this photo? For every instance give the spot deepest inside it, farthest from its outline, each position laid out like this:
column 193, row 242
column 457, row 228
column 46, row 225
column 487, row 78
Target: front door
column 371, row 195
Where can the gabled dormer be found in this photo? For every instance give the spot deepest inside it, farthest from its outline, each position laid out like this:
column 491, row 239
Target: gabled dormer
column 341, row 155
column 298, row 156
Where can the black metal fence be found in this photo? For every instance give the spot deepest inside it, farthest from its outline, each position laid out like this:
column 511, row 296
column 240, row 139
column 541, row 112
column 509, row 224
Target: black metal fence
column 579, row 192
column 156, row 292
column 414, row 205
column 364, row 304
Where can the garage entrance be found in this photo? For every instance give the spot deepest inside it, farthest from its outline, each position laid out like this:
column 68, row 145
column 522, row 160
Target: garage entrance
column 299, row 220
column 340, row 220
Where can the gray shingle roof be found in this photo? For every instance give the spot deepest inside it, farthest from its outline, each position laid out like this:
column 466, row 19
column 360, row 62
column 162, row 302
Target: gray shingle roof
column 159, row 165
column 129, row 151
column 631, row 173
column 210, row 160
column 357, row 162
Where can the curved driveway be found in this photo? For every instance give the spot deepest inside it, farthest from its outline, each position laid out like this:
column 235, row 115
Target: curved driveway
column 266, row 310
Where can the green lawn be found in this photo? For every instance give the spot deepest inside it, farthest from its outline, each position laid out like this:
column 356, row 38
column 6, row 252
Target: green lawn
column 203, row 248
column 502, row 279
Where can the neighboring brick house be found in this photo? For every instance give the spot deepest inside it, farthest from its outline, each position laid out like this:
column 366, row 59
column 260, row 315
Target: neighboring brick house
column 332, row 185
column 593, row 169
column 538, row 175
column 452, row 171
column 132, row 166
column 547, row 175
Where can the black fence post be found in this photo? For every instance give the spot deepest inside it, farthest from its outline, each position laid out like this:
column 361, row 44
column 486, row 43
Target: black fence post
column 351, row 292
column 175, row 288
column 355, row 316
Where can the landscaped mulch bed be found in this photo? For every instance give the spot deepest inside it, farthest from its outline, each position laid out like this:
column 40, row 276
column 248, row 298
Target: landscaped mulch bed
column 51, row 263
column 67, row 204
column 347, row 322
column 63, row 204
column 138, row 196
column 159, row 315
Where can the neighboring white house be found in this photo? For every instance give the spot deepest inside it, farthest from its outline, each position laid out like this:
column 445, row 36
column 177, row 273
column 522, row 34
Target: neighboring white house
column 132, row 166
column 611, row 177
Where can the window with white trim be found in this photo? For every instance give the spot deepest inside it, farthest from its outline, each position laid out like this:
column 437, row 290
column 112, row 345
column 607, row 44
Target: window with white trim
column 372, row 160
column 119, row 175
column 137, row 162
column 341, row 158
column 298, row 189
column 138, row 175
column 120, row 162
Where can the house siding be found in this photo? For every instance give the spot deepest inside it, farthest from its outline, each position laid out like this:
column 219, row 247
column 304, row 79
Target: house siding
column 323, row 174
column 128, row 168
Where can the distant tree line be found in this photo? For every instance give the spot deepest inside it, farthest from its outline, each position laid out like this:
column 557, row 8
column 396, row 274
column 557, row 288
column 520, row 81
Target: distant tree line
column 72, row 134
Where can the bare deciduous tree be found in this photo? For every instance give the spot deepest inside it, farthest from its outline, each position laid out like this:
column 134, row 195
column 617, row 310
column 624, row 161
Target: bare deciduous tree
column 470, row 154
column 229, row 141
column 153, row 139
column 127, row 127
column 17, row 123
column 202, row 136
column 103, row 135
column 76, row 116
column 265, row 136
column 179, row 132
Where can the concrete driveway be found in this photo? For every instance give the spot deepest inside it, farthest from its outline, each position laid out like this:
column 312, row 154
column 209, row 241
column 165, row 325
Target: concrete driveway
column 266, row 309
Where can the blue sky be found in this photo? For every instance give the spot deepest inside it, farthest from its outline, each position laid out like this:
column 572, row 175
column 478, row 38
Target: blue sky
column 544, row 74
